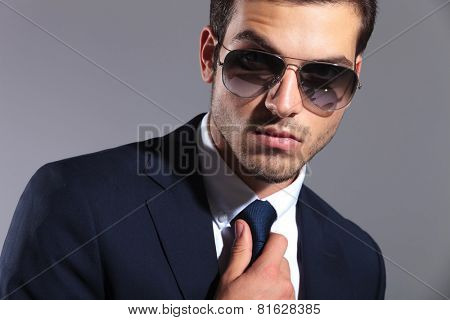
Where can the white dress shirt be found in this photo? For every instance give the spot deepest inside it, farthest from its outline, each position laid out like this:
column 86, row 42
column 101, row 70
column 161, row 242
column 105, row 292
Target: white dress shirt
column 228, row 195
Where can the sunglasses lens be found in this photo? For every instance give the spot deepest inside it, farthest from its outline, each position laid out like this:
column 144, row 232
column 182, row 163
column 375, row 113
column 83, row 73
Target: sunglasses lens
column 327, row 86
column 248, row 73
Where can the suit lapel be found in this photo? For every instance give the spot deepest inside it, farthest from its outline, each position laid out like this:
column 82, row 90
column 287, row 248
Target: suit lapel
column 323, row 273
column 181, row 212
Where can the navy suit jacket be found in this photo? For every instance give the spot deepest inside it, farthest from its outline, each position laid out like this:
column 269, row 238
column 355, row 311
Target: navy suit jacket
column 133, row 222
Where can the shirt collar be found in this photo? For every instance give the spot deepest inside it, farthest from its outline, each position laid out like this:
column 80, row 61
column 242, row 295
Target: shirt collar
column 227, row 194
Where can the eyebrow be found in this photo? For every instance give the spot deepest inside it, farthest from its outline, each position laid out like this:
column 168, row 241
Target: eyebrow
column 259, row 40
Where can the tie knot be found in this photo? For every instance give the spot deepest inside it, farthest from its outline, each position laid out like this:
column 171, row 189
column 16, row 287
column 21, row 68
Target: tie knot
column 260, row 216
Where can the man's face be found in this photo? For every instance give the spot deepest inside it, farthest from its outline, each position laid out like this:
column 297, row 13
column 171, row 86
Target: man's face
column 309, row 32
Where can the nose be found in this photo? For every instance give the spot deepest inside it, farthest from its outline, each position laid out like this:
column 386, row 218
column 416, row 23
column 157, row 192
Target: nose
column 284, row 99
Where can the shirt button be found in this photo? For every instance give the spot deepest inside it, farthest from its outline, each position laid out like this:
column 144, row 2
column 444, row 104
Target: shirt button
column 222, row 218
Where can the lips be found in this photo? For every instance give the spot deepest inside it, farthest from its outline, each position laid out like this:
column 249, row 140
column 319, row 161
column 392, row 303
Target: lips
column 278, row 133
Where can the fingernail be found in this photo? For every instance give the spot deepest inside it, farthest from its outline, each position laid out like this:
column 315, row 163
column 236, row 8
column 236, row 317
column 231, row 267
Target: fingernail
column 239, row 228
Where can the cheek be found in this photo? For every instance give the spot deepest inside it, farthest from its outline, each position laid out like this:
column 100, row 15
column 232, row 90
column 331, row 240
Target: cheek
column 239, row 111
column 231, row 109
column 321, row 133
column 228, row 114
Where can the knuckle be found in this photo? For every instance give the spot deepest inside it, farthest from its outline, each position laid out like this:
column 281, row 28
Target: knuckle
column 288, row 289
column 281, row 239
column 239, row 249
column 285, row 266
column 284, row 241
column 270, row 272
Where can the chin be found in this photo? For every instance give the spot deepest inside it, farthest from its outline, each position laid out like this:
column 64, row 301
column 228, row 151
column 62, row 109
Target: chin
column 273, row 179
column 272, row 171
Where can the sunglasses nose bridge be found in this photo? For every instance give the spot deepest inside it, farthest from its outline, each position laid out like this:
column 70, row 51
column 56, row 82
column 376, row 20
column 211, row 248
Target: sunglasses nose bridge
column 284, row 97
column 292, row 66
column 295, row 68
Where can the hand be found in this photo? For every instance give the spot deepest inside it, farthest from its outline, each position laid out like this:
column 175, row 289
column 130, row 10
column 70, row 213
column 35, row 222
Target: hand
column 268, row 278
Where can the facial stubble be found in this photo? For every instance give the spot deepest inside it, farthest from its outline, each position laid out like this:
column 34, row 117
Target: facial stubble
column 243, row 155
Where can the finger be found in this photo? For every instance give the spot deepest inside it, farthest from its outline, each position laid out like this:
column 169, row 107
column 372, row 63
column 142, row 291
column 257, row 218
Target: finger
column 292, row 297
column 241, row 252
column 285, row 270
column 273, row 250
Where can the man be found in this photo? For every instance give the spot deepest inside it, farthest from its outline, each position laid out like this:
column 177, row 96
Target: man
column 216, row 208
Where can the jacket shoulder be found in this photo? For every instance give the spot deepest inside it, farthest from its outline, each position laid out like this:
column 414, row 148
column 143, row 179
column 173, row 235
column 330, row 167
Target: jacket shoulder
column 59, row 212
column 339, row 224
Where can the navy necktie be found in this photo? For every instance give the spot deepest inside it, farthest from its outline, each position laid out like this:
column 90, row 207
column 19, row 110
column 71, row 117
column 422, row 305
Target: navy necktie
column 260, row 215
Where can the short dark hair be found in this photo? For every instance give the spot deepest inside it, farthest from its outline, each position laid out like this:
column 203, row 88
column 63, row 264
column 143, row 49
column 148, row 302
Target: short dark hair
column 221, row 12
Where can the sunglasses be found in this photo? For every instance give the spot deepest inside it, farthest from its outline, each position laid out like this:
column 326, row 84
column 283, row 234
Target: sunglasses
column 327, row 86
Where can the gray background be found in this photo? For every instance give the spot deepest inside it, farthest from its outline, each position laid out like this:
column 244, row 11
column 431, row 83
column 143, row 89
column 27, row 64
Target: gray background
column 386, row 169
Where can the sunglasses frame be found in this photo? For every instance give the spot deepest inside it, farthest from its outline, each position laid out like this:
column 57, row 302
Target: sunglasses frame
column 277, row 79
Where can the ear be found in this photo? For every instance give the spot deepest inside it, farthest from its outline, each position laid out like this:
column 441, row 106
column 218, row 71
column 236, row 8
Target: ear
column 207, row 46
column 358, row 66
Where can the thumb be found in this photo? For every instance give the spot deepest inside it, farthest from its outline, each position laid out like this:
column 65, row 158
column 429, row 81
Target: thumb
column 241, row 253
